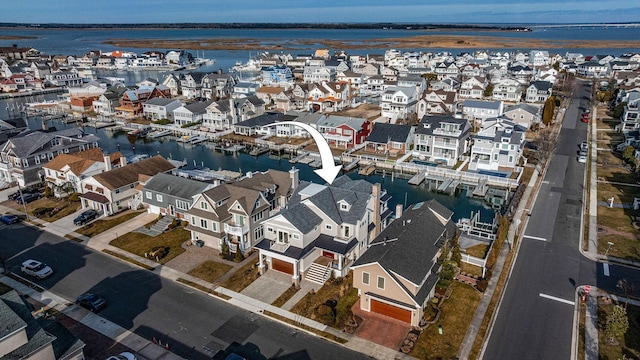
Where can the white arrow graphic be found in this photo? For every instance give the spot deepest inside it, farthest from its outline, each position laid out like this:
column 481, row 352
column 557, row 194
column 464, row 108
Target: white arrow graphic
column 329, row 169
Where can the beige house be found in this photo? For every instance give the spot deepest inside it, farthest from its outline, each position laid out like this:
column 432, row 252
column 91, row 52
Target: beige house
column 115, row 189
column 233, row 213
column 64, row 173
column 397, row 274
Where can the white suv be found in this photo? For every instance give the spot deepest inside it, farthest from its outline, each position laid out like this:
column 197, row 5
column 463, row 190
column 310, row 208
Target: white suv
column 36, row 268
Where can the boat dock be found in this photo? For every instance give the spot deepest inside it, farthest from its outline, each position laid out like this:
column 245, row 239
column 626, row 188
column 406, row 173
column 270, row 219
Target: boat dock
column 351, row 165
column 205, row 174
column 417, row 179
column 481, row 189
column 367, row 170
column 259, row 150
column 229, row 148
column 299, row 158
column 158, row 133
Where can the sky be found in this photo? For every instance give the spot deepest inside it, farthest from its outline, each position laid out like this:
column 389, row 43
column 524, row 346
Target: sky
column 331, row 11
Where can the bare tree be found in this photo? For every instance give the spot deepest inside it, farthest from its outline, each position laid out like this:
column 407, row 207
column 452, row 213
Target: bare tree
column 545, row 143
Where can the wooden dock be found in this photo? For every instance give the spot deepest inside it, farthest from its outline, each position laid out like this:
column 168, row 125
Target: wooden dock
column 299, row 158
column 481, row 189
column 417, row 179
column 259, row 150
column 351, row 165
column 368, row 170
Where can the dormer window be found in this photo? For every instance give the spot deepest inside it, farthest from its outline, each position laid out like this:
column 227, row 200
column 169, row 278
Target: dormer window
column 344, row 207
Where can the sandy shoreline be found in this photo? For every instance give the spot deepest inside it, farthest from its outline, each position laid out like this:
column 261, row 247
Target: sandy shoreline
column 410, row 42
column 14, row 37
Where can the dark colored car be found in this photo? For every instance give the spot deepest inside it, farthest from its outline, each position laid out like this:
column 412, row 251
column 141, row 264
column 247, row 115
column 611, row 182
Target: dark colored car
column 9, row 219
column 85, row 217
column 27, row 198
column 25, row 191
column 91, row 302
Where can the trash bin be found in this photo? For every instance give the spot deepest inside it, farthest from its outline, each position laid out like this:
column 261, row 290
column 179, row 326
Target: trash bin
column 199, row 243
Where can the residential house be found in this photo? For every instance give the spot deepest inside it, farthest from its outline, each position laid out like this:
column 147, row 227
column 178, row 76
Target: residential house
column 245, row 89
column 191, row 84
column 498, row 145
column 631, row 138
column 132, row 99
column 479, row 111
column 64, row 78
column 522, row 73
column 223, row 114
column 446, row 70
column 259, row 125
column 539, row 91
column 190, row 113
column 397, row 275
column 218, row 85
column 398, row 102
column 323, row 230
column 448, row 84
column 23, row 156
column 441, row 139
column 299, row 96
column 107, row 103
column 593, row 69
column 523, row 114
column 65, row 172
column 353, row 79
column 160, row 108
column 277, row 75
column 328, row 96
column 437, row 102
column 171, row 195
column 234, row 213
column 274, row 97
column 630, row 119
column 472, row 88
column 367, row 69
column 317, row 74
column 344, row 132
column 507, row 89
column 26, row 337
column 390, row 139
column 116, row 189
column 539, row 58
column 172, row 81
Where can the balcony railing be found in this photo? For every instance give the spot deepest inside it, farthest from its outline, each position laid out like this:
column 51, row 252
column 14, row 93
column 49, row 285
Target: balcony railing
column 279, row 247
column 236, row 230
column 6, row 166
column 439, row 131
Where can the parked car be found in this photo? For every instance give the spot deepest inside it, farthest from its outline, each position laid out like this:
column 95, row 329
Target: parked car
column 16, row 194
column 9, row 219
column 91, row 302
column 85, row 217
column 123, row 356
column 582, row 159
column 585, row 117
column 27, row 198
column 584, row 146
column 36, row 268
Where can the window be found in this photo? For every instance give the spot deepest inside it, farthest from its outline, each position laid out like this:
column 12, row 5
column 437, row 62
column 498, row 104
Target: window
column 296, row 236
column 328, row 227
column 344, row 206
column 283, row 237
column 147, row 194
column 117, row 191
column 182, row 205
column 203, row 205
column 380, row 282
column 257, row 217
column 193, row 219
column 346, row 231
column 214, row 226
column 203, row 223
column 159, row 197
column 495, row 157
column 37, row 159
column 270, row 229
column 258, row 233
column 365, row 278
column 510, row 158
column 25, row 162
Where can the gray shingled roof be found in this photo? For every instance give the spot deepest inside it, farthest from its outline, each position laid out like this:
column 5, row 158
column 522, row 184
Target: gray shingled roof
column 262, row 120
column 175, row 186
column 335, row 121
column 32, row 141
column 524, row 106
column 412, row 241
column 159, row 101
column 429, row 123
column 303, row 218
column 383, row 133
column 492, row 105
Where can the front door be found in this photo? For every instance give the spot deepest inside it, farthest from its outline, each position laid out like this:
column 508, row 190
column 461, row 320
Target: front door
column 327, row 254
column 172, row 211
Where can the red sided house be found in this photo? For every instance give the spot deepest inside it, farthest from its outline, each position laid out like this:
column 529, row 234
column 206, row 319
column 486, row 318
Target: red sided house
column 344, row 132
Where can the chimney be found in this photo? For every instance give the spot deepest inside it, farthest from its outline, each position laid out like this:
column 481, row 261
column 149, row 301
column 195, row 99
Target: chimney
column 398, row 211
column 45, row 125
column 232, row 108
column 295, row 179
column 123, row 160
column 107, row 162
column 375, row 191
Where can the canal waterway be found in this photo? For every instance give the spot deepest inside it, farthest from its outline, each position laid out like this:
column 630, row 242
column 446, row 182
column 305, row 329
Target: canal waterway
column 201, row 155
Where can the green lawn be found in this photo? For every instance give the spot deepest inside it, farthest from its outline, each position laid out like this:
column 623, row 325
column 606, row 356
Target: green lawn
column 139, row 244
column 455, row 316
column 210, row 270
column 102, row 225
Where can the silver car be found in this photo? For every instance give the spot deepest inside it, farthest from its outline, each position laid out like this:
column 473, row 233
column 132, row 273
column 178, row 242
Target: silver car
column 36, row 268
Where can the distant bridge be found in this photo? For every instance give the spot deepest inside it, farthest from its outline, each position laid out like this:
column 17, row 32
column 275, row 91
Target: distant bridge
column 630, row 25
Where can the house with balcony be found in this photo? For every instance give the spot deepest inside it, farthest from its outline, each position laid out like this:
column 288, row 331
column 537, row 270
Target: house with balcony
column 478, row 110
column 107, row 103
column 171, row 195
column 274, row 97
column 65, row 172
column 507, row 89
column 498, row 145
column 316, row 74
column 448, row 84
column 260, row 125
column 328, row 96
column 630, row 119
column 277, row 75
column 224, row 114
column 190, row 113
column 344, row 132
column 132, row 99
column 397, row 275
column 437, row 102
column 593, row 69
column 64, row 78
column 191, row 84
column 116, row 189
column 245, row 88
column 217, row 85
column 390, row 139
column 524, row 114
column 473, row 88
column 441, row 139
column 398, row 102
column 539, row 58
column 22, row 156
column 323, row 230
column 539, row 91
column 234, row 213
column 446, row 70
column 160, row 108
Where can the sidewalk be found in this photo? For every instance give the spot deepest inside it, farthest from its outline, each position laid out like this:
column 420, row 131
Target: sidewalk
column 101, row 241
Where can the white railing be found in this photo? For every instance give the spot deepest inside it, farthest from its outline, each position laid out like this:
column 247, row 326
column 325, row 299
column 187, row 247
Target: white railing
column 279, row 247
column 473, row 260
column 236, row 230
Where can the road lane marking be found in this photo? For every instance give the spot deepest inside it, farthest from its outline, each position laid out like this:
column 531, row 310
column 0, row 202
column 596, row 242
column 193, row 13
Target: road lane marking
column 534, row 237
column 605, row 268
column 557, row 299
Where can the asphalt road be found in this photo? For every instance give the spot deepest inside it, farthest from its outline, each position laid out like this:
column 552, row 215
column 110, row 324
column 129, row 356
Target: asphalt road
column 194, row 324
column 535, row 318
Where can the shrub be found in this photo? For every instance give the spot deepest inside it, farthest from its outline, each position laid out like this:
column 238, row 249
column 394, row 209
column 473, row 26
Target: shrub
column 74, row 197
column 184, row 223
column 239, row 257
column 482, row 285
column 224, row 248
column 41, row 211
column 160, row 216
column 48, row 192
column 162, row 122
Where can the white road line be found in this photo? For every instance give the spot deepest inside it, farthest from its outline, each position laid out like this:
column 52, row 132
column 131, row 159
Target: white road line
column 605, row 268
column 557, row 299
column 534, row 237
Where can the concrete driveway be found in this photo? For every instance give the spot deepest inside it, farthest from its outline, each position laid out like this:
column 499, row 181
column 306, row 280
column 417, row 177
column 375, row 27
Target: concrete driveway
column 65, row 225
column 268, row 287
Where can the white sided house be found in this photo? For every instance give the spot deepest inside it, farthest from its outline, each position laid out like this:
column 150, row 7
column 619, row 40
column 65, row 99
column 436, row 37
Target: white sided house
column 498, row 145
